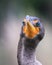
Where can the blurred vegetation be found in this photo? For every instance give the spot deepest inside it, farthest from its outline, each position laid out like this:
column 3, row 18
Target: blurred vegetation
column 42, row 7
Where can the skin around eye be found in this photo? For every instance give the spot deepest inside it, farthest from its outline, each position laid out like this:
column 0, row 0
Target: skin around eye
column 35, row 21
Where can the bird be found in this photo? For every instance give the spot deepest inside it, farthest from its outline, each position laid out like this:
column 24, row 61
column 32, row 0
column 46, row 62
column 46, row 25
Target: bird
column 32, row 32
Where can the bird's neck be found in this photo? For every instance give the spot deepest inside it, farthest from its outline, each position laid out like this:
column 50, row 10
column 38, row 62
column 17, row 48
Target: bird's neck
column 28, row 56
column 29, row 53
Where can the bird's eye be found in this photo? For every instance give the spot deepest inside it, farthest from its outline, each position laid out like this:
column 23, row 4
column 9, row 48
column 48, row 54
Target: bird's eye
column 23, row 23
column 38, row 24
column 34, row 22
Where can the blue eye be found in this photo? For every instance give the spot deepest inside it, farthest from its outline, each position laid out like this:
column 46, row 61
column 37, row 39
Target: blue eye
column 38, row 24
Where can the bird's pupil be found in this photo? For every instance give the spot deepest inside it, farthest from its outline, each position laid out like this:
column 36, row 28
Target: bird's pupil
column 37, row 24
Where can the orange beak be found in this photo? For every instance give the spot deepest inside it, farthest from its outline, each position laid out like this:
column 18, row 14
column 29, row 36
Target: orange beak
column 30, row 31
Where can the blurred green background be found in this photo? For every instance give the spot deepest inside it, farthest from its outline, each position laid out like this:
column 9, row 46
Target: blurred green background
column 12, row 13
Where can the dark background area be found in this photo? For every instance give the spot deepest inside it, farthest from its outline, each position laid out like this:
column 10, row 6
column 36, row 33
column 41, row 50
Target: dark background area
column 42, row 7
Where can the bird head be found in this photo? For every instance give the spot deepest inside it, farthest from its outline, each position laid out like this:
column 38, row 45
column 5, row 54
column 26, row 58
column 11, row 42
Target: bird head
column 31, row 26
